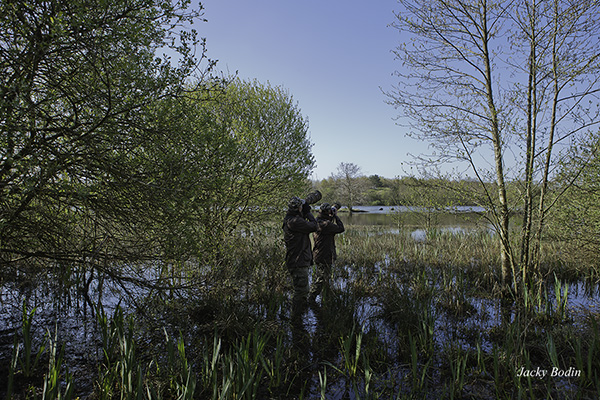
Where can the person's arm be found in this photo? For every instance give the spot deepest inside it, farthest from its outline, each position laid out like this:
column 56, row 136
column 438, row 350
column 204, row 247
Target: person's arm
column 329, row 227
column 339, row 223
column 304, row 225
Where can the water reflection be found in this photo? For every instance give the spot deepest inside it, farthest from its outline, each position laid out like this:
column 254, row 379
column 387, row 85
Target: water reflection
column 402, row 216
column 395, row 219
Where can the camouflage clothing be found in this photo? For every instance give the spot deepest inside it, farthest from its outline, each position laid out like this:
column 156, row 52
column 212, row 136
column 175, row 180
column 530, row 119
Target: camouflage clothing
column 300, row 282
column 324, row 253
column 296, row 229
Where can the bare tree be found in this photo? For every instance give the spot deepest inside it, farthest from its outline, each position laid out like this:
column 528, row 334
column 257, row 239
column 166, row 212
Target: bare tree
column 482, row 80
column 449, row 91
column 349, row 185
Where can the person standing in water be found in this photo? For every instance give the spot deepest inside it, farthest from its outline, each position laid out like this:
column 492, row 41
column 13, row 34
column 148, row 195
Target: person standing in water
column 324, row 253
column 298, row 223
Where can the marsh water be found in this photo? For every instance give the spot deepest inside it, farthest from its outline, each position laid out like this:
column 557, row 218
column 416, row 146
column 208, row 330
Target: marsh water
column 64, row 311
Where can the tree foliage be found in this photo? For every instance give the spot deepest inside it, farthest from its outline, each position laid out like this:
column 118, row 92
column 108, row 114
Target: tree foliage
column 273, row 152
column 77, row 77
column 111, row 155
column 232, row 155
column 579, row 208
column 409, row 191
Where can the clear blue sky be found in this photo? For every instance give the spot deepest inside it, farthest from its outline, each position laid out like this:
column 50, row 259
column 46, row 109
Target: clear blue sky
column 332, row 56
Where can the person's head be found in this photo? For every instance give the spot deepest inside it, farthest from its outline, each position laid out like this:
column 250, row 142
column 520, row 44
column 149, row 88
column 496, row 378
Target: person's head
column 325, row 210
column 295, row 204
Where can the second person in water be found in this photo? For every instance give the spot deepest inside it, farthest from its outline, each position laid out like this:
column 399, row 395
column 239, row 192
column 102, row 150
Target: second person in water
column 324, row 251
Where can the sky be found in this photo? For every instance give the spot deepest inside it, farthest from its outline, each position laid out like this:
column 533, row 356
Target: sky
column 334, row 58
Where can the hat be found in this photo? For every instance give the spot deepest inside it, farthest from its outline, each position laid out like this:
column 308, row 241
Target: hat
column 325, row 208
column 295, row 202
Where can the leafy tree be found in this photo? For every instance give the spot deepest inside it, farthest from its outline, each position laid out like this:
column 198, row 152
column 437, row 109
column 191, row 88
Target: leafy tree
column 328, row 189
column 375, row 181
column 225, row 156
column 77, row 79
column 560, row 39
column 579, row 208
column 273, row 156
column 244, row 150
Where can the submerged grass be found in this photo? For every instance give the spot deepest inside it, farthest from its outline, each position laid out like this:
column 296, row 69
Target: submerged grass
column 405, row 319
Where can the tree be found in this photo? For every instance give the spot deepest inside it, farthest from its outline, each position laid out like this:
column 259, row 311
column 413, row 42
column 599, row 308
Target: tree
column 375, row 181
column 241, row 152
column 561, row 41
column 455, row 90
column 273, row 156
column 328, row 188
column 350, row 187
column 77, row 80
column 579, row 208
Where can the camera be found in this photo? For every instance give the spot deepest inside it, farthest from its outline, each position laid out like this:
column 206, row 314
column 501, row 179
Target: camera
column 335, row 207
column 313, row 197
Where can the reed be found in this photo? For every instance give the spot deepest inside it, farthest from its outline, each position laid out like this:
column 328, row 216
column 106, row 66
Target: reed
column 457, row 361
column 182, row 379
column 120, row 371
column 30, row 358
column 25, row 361
column 419, row 368
column 323, row 384
column 210, row 362
column 247, row 360
column 561, row 294
column 273, row 365
column 351, row 353
column 12, row 369
column 51, row 389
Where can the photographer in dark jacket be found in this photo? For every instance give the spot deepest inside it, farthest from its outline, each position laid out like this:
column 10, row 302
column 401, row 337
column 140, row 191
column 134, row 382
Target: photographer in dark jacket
column 329, row 225
column 298, row 223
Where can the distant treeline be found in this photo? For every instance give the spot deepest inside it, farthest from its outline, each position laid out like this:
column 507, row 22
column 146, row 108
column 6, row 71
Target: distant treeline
column 375, row 190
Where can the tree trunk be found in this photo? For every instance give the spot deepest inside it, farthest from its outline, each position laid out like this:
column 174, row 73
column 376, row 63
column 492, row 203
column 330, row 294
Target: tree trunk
column 531, row 116
column 504, row 217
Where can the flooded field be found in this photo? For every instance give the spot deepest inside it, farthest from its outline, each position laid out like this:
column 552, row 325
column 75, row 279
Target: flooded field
column 409, row 315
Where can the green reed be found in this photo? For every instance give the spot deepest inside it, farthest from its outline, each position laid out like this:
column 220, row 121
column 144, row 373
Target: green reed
column 419, row 368
column 323, row 384
column 12, row 369
column 51, row 389
column 457, row 360
column 244, row 366
column 351, row 346
column 561, row 294
column 209, row 367
column 273, row 366
column 30, row 358
column 26, row 360
column 182, row 380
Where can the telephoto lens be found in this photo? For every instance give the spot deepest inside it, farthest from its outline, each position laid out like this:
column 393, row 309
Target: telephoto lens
column 313, row 197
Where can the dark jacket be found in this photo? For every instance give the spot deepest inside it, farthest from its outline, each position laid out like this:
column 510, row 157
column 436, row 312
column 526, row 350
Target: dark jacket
column 324, row 251
column 296, row 229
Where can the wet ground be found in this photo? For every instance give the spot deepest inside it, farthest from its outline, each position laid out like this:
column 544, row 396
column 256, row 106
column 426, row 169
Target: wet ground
column 70, row 317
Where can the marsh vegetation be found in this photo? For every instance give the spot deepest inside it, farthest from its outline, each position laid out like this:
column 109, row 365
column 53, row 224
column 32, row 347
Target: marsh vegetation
column 406, row 318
